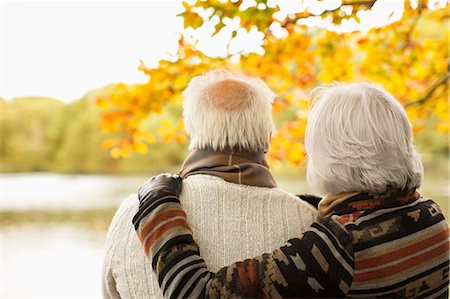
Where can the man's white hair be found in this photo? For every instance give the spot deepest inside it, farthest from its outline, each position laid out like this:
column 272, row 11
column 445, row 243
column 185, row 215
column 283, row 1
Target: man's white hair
column 228, row 110
column 358, row 138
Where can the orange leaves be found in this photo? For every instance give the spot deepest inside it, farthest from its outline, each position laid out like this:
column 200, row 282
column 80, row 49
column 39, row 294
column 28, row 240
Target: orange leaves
column 107, row 144
column 124, row 108
column 408, row 57
column 121, row 147
column 287, row 142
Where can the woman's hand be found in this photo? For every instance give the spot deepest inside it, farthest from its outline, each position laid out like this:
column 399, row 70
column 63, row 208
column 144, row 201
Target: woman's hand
column 159, row 186
column 155, row 191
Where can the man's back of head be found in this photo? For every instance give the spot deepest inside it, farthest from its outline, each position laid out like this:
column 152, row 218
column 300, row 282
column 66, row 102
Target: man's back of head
column 228, row 110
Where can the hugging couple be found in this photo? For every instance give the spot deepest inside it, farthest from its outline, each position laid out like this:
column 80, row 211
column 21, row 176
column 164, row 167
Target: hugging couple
column 222, row 228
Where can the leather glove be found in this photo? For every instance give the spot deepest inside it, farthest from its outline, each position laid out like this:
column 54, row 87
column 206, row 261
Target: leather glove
column 157, row 189
column 159, row 186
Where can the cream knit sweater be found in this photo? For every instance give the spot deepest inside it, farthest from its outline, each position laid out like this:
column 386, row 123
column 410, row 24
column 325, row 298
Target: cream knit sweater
column 230, row 222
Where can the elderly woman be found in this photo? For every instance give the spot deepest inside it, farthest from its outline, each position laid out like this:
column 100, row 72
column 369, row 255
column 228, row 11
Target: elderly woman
column 375, row 236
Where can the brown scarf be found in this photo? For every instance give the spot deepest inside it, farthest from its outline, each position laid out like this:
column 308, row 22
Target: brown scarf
column 237, row 167
column 331, row 200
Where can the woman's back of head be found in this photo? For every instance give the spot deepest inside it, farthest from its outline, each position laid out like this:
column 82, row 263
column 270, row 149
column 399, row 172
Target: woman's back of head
column 359, row 139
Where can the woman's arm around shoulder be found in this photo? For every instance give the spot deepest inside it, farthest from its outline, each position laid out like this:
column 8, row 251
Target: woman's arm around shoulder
column 319, row 263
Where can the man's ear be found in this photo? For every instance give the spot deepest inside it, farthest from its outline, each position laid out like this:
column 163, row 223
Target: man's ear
column 270, row 139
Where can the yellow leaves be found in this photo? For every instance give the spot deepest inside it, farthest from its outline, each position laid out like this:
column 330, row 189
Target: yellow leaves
column 172, row 132
column 404, row 59
column 408, row 60
column 336, row 58
column 107, row 144
column 117, row 153
column 413, row 112
column 443, row 127
column 296, row 153
column 143, row 68
column 121, row 147
column 442, row 112
column 125, row 107
column 191, row 18
column 287, row 142
column 101, row 103
column 441, row 109
column 148, row 137
column 139, row 147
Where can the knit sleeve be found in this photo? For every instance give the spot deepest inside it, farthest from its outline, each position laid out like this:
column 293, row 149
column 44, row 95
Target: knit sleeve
column 318, row 263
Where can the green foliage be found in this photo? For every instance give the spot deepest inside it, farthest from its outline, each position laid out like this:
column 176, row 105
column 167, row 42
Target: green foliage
column 30, row 134
column 79, row 148
column 41, row 134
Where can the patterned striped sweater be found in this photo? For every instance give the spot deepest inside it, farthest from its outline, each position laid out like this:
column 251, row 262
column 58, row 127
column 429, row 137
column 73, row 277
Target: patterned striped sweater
column 391, row 246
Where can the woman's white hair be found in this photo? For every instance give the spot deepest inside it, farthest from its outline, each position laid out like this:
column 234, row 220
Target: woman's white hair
column 228, row 110
column 359, row 139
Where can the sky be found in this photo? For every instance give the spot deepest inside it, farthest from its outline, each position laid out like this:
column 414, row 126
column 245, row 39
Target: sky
column 63, row 49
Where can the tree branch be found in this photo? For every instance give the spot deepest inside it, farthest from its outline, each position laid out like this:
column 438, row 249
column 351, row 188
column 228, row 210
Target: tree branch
column 368, row 3
column 443, row 80
column 306, row 14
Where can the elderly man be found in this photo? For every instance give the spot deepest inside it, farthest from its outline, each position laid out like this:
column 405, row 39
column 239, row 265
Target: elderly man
column 230, row 197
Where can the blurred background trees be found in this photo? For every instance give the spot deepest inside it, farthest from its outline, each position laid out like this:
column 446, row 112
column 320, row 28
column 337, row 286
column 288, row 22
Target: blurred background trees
column 42, row 134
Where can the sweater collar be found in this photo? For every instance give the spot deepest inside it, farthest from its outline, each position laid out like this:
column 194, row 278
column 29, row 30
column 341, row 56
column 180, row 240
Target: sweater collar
column 346, row 203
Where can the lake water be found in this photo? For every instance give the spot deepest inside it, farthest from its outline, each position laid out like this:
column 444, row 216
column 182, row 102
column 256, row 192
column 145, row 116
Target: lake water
column 51, row 262
column 57, row 191
column 64, row 261
column 56, row 261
